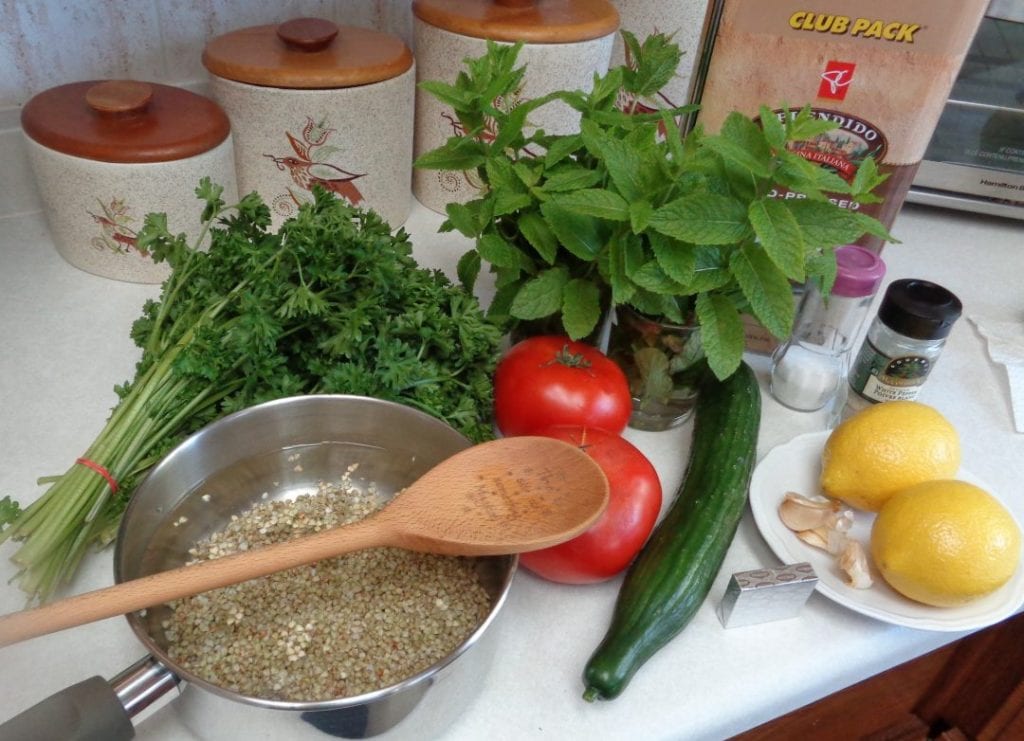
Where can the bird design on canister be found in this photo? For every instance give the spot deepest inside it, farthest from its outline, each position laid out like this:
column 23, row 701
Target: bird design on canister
column 311, row 165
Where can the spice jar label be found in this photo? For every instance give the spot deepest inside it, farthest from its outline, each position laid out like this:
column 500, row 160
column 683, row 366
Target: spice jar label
column 881, row 378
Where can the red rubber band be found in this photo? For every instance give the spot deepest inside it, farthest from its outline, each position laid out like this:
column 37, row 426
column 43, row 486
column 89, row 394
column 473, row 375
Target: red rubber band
column 101, row 471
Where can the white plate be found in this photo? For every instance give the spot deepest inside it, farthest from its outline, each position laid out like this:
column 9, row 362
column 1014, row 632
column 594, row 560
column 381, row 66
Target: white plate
column 796, row 466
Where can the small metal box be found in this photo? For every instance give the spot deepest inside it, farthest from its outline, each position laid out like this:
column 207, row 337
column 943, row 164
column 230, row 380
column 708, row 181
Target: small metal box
column 763, row 595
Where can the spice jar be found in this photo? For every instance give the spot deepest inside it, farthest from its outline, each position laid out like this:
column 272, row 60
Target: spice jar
column 106, row 153
column 810, row 367
column 566, row 42
column 314, row 103
column 902, row 343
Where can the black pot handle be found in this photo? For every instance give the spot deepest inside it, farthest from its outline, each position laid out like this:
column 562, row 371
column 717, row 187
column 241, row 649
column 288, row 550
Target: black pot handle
column 87, row 711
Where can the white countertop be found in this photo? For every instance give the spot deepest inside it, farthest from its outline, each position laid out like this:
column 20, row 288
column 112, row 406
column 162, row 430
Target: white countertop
column 65, row 344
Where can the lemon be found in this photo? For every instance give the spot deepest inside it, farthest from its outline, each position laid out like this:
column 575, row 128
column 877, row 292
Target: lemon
column 885, row 448
column 945, row 543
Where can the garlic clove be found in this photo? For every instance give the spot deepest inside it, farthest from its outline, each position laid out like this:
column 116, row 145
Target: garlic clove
column 798, row 512
column 817, row 537
column 853, row 562
column 840, row 520
column 836, row 541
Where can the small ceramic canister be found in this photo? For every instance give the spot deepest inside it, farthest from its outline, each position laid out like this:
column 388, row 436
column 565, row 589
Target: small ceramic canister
column 106, row 153
column 314, row 103
column 566, row 42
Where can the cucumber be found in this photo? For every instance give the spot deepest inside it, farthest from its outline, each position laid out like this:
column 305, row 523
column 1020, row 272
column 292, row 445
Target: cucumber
column 672, row 575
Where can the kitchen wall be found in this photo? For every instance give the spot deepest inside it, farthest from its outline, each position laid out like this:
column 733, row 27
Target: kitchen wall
column 44, row 43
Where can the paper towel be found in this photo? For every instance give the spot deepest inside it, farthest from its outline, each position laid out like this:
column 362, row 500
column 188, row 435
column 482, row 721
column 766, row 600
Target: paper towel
column 1005, row 339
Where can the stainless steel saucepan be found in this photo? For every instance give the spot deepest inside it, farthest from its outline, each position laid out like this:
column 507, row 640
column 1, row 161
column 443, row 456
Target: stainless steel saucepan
column 240, row 457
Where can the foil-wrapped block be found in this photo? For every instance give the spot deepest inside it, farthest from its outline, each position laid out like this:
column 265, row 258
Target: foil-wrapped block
column 763, row 595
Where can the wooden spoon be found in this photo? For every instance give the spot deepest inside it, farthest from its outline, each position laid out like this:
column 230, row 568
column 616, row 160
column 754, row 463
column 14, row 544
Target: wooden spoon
column 506, row 496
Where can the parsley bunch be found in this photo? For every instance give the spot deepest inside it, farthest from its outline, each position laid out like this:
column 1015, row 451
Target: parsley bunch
column 627, row 212
column 331, row 303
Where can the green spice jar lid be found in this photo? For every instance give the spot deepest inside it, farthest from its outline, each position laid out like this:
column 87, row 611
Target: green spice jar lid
column 307, row 53
column 533, row 21
column 124, row 121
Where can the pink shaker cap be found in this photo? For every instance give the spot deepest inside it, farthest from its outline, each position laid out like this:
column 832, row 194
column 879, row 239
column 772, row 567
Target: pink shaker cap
column 859, row 271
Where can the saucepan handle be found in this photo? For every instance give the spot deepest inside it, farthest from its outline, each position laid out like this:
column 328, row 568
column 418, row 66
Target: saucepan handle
column 97, row 710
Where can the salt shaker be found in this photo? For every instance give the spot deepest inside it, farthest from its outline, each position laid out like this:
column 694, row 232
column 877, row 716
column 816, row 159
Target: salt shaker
column 902, row 343
column 809, row 368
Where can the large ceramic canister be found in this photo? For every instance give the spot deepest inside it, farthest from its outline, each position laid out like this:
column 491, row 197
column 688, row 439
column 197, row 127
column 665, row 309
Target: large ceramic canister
column 566, row 42
column 106, row 153
column 313, row 103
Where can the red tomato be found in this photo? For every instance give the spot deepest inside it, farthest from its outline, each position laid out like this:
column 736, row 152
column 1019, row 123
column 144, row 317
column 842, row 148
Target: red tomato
column 548, row 380
column 634, row 502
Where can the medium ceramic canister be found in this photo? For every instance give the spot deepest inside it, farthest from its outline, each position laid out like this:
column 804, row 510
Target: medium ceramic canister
column 313, row 103
column 106, row 153
column 566, row 42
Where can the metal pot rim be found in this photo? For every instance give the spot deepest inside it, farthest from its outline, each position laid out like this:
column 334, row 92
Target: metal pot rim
column 344, row 702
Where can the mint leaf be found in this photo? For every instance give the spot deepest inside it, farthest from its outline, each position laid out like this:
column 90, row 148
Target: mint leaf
column 497, row 251
column 703, row 218
column 652, row 278
column 766, row 289
column 780, row 235
column 581, row 307
column 742, row 143
column 606, row 87
column 798, row 174
column 823, row 225
column 463, row 218
column 468, row 269
column 450, row 95
column 873, row 226
column 537, row 232
column 561, row 148
column 618, row 272
column 501, row 176
column 805, row 125
column 528, row 172
column 457, row 154
column 579, row 234
column 571, row 177
column 654, row 63
column 677, row 259
column 640, row 213
column 652, row 367
column 541, row 296
column 821, row 268
column 721, row 332
column 500, row 309
column 507, row 202
column 774, row 131
column 595, row 202
column 624, row 164
column 867, row 178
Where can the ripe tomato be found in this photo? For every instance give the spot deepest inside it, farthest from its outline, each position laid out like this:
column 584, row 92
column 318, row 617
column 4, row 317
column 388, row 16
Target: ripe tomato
column 634, row 502
column 549, row 380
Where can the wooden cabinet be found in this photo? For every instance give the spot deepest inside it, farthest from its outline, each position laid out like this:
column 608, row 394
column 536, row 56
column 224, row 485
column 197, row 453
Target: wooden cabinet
column 971, row 689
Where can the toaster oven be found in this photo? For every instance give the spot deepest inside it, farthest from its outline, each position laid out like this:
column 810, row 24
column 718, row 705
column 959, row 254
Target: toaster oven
column 975, row 159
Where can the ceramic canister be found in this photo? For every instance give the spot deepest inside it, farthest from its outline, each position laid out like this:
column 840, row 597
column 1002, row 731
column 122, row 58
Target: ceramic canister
column 313, row 103
column 566, row 42
column 106, row 153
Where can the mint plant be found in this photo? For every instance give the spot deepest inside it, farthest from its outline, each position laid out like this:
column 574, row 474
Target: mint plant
column 616, row 214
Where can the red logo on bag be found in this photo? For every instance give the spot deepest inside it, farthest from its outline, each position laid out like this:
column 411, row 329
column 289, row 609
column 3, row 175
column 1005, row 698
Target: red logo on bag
column 836, row 79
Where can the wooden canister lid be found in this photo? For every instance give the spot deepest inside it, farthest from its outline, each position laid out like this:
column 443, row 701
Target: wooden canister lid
column 532, row 21
column 124, row 121
column 307, row 53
